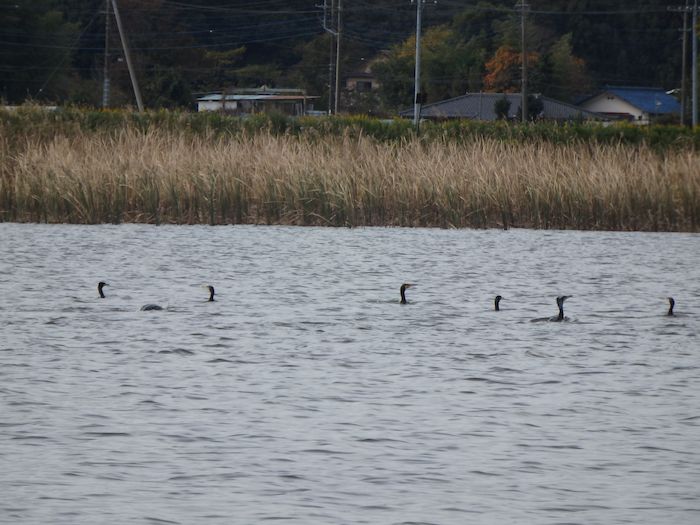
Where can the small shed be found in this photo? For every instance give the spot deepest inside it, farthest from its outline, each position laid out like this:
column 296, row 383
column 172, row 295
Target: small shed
column 636, row 104
column 293, row 102
column 481, row 106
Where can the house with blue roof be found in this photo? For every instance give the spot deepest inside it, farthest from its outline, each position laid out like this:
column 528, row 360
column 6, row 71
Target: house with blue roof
column 636, row 104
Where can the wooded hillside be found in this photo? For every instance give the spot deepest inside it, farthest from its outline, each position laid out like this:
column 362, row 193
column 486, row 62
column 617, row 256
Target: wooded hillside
column 54, row 50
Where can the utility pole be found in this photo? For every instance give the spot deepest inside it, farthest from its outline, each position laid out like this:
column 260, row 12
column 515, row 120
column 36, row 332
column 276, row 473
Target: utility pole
column 418, row 96
column 132, row 73
column 684, row 58
column 337, row 55
column 105, row 74
column 695, row 64
column 327, row 23
column 524, row 7
column 330, row 62
column 684, row 80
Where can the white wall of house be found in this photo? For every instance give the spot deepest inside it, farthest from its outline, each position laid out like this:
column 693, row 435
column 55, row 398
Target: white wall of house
column 607, row 103
column 215, row 105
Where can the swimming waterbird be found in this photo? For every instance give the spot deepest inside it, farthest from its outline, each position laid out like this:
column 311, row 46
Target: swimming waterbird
column 101, row 285
column 671, row 304
column 403, row 292
column 496, row 302
column 147, row 307
column 556, row 318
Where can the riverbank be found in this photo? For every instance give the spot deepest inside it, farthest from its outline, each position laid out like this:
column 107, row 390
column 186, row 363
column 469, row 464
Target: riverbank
column 112, row 167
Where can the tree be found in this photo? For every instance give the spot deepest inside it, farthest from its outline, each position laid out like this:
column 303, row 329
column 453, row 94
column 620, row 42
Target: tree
column 364, row 103
column 311, row 71
column 257, row 75
column 57, row 45
column 503, row 70
column 535, row 106
column 167, row 88
column 501, row 107
column 568, row 77
column 449, row 67
column 221, row 66
column 37, row 51
column 395, row 74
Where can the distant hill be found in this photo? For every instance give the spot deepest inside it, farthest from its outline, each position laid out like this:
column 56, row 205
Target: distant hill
column 53, row 50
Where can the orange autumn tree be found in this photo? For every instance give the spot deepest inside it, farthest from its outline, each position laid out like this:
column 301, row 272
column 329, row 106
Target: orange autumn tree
column 503, row 70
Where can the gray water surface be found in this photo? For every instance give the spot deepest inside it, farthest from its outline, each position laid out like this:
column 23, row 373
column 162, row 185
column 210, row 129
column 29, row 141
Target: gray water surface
column 307, row 394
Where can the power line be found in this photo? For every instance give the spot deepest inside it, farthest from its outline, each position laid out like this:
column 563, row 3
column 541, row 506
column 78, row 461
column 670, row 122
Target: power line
column 66, row 56
column 229, row 43
column 237, row 9
column 125, row 46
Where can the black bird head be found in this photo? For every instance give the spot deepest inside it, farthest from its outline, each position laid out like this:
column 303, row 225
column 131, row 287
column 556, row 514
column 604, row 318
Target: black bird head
column 101, row 285
column 211, row 292
column 561, row 299
column 671, row 304
column 496, row 301
column 404, row 286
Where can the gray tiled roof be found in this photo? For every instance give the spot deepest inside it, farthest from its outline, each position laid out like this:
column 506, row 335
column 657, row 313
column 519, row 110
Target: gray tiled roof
column 480, row 106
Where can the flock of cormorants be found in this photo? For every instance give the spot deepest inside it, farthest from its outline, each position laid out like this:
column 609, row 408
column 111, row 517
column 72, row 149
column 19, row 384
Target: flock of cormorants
column 557, row 318
column 149, row 306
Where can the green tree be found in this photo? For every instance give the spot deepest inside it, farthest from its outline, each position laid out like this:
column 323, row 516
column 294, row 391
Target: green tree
column 221, row 68
column 501, row 107
column 166, row 57
column 167, row 88
column 568, row 77
column 535, row 106
column 449, row 67
column 37, row 51
column 395, row 75
column 257, row 75
column 311, row 71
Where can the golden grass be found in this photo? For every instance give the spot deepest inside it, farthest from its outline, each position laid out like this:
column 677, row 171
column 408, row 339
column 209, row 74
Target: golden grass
column 164, row 177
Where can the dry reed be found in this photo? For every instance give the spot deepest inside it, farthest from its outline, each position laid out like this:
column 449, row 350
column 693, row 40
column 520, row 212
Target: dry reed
column 167, row 177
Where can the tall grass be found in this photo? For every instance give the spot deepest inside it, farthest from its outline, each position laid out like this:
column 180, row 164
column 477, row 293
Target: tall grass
column 136, row 174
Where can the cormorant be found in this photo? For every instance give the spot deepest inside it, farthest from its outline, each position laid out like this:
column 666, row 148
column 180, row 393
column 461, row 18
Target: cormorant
column 496, row 301
column 671, row 304
column 557, row 318
column 211, row 293
column 101, row 285
column 403, row 292
column 146, row 307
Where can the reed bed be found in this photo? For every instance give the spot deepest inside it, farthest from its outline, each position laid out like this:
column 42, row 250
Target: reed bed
column 32, row 121
column 156, row 176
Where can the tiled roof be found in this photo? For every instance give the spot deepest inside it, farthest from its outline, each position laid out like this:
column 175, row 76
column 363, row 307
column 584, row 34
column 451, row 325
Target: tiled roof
column 480, row 106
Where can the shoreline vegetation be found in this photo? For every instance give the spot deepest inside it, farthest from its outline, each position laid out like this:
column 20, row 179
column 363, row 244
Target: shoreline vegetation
column 85, row 166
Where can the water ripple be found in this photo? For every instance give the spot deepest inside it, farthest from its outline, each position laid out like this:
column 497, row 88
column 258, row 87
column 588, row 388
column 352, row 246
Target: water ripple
column 307, row 394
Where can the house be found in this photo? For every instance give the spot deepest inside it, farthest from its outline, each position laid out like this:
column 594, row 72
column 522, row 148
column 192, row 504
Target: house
column 636, row 104
column 363, row 79
column 293, row 102
column 481, row 106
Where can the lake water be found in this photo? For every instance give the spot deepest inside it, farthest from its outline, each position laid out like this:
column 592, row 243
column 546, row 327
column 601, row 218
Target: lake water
column 307, row 394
